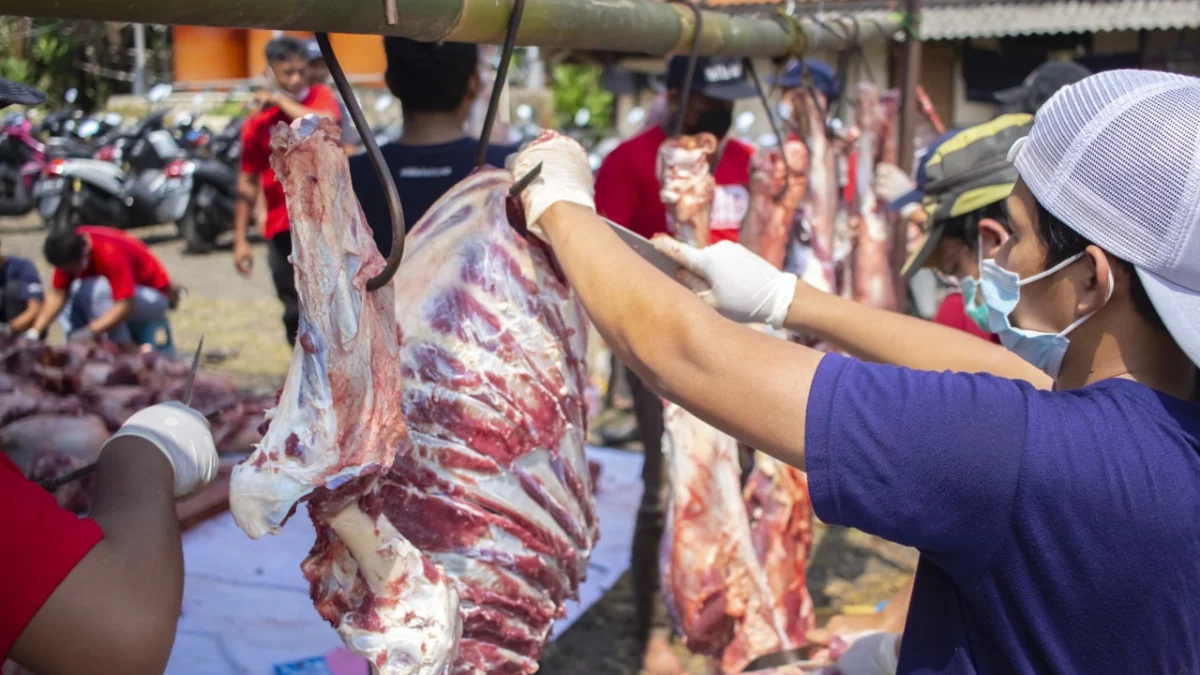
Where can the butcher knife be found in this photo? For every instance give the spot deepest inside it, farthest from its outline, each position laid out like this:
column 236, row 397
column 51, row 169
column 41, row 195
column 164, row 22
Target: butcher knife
column 635, row 241
column 795, row 658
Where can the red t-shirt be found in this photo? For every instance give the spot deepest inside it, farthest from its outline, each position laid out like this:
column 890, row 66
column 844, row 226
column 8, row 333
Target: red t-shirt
column 953, row 313
column 42, row 544
column 256, row 152
column 627, row 187
column 124, row 260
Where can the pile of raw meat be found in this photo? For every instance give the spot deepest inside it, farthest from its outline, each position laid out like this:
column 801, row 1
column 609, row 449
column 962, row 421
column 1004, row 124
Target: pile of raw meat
column 59, row 404
column 435, row 427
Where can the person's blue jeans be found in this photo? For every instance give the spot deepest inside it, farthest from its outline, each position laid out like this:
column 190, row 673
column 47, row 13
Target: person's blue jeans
column 92, row 297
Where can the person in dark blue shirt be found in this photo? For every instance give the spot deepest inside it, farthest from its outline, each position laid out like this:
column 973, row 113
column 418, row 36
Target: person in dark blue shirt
column 1050, row 483
column 436, row 85
column 22, row 295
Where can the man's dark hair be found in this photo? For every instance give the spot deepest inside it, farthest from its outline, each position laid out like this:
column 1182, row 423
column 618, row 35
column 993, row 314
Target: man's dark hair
column 63, row 247
column 429, row 77
column 1062, row 242
column 284, row 48
column 966, row 227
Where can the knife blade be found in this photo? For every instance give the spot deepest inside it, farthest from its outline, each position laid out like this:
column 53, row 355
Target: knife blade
column 644, row 248
column 191, row 381
column 796, row 658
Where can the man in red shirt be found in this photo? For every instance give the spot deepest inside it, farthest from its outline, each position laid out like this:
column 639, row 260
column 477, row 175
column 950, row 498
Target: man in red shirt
column 102, row 594
column 290, row 97
column 108, row 280
column 627, row 192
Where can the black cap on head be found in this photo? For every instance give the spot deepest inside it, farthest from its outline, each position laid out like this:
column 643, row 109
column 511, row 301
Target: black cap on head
column 718, row 77
column 12, row 93
column 1041, row 84
column 312, row 51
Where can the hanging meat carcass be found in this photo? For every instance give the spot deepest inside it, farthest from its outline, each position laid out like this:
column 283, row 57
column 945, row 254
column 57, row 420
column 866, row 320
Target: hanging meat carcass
column 776, row 189
column 460, row 557
column 687, row 186
column 713, row 582
column 822, row 201
column 874, row 279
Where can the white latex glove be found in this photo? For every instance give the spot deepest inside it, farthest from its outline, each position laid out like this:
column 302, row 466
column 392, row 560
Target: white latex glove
column 892, row 183
column 742, row 286
column 566, row 176
column 870, row 653
column 184, row 437
column 31, row 334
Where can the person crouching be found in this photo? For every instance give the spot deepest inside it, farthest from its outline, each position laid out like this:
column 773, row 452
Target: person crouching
column 110, row 285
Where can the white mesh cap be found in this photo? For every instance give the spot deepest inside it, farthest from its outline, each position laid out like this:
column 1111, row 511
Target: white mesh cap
column 1116, row 157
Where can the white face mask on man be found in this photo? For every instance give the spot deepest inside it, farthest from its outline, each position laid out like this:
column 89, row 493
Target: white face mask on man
column 1002, row 291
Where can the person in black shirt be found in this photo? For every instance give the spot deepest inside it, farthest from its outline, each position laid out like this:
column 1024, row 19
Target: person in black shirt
column 436, row 85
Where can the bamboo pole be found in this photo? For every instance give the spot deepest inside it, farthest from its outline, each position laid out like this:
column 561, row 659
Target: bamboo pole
column 637, row 26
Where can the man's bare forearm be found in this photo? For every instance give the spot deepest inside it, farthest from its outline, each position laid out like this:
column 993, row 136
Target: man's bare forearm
column 750, row 385
column 135, row 573
column 882, row 336
column 55, row 301
column 248, row 189
column 24, row 320
column 120, row 311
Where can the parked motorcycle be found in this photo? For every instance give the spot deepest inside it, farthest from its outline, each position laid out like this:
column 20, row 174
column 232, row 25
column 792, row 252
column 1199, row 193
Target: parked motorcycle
column 213, row 168
column 133, row 190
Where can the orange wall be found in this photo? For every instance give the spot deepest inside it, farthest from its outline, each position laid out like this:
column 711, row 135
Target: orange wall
column 232, row 53
column 209, row 53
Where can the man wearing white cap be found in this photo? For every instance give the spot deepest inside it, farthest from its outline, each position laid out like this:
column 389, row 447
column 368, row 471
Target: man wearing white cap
column 1052, row 488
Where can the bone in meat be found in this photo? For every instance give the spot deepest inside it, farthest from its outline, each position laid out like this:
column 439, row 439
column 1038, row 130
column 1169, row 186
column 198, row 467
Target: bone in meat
column 493, row 487
column 874, row 284
column 776, row 189
column 339, row 414
column 687, row 186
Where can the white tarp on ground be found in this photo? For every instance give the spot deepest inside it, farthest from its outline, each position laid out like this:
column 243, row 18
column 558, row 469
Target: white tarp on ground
column 246, row 606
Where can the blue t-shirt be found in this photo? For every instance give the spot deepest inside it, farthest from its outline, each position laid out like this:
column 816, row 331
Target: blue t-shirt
column 21, row 283
column 1059, row 532
column 423, row 173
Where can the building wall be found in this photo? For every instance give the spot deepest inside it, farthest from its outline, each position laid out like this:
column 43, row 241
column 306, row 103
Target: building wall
column 216, row 54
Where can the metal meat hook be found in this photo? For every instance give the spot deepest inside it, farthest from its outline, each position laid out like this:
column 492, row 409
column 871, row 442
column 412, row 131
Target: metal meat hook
column 762, row 95
column 690, row 74
column 395, row 211
column 510, row 42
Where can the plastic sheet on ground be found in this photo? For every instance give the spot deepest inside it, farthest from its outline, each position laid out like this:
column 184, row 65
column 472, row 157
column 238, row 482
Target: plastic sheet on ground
column 246, row 607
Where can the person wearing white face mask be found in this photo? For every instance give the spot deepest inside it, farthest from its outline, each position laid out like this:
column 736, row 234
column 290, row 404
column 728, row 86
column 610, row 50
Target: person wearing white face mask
column 1056, row 517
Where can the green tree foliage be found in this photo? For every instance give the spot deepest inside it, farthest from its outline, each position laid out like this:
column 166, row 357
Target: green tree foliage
column 577, row 87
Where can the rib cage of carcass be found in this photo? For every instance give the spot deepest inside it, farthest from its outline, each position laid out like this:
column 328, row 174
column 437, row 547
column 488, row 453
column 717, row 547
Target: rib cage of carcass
column 459, row 558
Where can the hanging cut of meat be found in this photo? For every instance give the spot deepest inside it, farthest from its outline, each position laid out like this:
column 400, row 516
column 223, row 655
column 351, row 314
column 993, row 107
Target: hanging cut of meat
column 460, row 557
column 822, row 202
column 338, row 415
column 714, row 585
column 687, row 186
column 874, row 280
column 776, row 190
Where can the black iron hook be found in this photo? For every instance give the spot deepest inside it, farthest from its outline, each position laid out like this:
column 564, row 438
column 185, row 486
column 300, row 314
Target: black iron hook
column 510, row 43
column 762, row 96
column 395, row 211
column 686, row 92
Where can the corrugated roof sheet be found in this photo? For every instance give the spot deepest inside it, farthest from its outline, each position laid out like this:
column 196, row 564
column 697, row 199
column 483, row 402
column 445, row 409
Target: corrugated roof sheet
column 961, row 19
column 980, row 20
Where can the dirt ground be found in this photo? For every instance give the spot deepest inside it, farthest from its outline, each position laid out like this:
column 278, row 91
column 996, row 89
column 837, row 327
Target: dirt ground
column 243, row 337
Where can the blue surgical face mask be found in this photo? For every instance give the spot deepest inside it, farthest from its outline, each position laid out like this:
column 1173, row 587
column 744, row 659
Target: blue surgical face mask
column 1001, row 293
column 974, row 306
